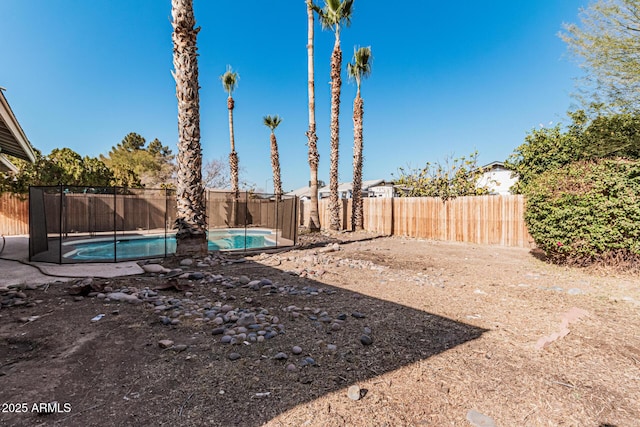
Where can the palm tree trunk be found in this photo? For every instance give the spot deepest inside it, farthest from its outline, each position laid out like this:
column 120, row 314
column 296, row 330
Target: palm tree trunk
column 233, row 156
column 314, row 157
column 190, row 217
column 357, row 215
column 336, row 83
column 275, row 165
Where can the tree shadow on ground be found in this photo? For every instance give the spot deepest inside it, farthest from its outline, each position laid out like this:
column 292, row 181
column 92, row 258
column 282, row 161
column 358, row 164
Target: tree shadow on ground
column 117, row 372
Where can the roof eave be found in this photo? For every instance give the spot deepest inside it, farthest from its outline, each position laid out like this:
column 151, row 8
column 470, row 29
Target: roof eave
column 16, row 130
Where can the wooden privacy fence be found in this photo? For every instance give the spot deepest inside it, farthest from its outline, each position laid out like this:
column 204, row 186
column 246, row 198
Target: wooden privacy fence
column 494, row 220
column 14, row 215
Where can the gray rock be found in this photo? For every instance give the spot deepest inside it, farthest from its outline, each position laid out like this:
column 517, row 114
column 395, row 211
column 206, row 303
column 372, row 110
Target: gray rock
column 186, row 262
column 244, row 280
column 281, row 356
column 296, row 349
column 153, row 268
column 196, row 276
column 246, row 319
column 165, row 343
column 358, row 315
column 479, row 420
column 179, row 347
column 308, row 361
column 354, row 392
column 254, row 284
column 234, row 356
column 266, row 282
column 226, row 339
column 366, row 340
column 120, row 296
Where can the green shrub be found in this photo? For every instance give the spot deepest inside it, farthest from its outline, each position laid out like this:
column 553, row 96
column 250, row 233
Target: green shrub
column 587, row 212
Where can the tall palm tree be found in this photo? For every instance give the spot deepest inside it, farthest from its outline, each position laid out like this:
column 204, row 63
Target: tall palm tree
column 190, row 217
column 229, row 82
column 333, row 15
column 314, row 156
column 272, row 123
column 357, row 70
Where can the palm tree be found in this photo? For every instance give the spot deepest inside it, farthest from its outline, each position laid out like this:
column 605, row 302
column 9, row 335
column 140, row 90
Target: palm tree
column 229, row 83
column 190, row 218
column 333, row 15
column 314, row 157
column 357, row 70
column 272, row 123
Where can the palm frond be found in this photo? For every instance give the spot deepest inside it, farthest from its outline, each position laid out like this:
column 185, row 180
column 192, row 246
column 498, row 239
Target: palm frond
column 361, row 65
column 334, row 13
column 229, row 80
column 272, row 122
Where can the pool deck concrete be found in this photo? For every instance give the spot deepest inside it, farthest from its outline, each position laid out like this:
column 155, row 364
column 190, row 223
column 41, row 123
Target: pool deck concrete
column 15, row 267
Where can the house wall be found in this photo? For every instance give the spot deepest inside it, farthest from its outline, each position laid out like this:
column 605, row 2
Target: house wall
column 498, row 180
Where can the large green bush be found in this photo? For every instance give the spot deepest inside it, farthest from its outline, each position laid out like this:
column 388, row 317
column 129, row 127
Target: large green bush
column 587, row 212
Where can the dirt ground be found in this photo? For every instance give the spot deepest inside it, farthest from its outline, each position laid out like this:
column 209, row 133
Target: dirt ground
column 431, row 333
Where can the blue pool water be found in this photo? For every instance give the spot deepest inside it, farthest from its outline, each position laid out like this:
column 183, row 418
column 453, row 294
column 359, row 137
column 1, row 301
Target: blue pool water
column 141, row 247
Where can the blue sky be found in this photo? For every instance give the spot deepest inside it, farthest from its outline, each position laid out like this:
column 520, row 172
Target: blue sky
column 448, row 78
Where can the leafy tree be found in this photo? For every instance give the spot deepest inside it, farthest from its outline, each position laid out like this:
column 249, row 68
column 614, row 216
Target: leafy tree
column 357, row 70
column 449, row 179
column 613, row 135
column 61, row 167
column 606, row 135
column 229, row 82
column 191, row 216
column 314, row 156
column 607, row 42
column 272, row 123
column 135, row 165
column 333, row 16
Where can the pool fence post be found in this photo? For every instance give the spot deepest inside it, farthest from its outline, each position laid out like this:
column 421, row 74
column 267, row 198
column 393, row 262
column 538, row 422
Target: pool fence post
column 61, row 224
column 115, row 225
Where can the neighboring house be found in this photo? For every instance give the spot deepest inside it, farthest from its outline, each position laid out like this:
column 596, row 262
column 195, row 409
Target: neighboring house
column 13, row 141
column 371, row 188
column 497, row 178
column 386, row 189
column 345, row 189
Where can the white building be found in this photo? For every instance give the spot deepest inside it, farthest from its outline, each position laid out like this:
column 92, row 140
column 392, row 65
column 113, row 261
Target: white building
column 497, row 178
column 370, row 188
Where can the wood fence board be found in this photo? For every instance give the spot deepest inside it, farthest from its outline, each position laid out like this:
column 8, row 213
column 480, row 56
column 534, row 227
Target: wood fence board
column 493, row 220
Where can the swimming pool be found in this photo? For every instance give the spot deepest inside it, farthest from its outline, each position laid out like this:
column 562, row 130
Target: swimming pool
column 135, row 247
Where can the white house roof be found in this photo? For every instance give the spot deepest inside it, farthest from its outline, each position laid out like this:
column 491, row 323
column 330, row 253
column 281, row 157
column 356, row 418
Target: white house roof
column 348, row 186
column 300, row 192
column 13, row 140
column 342, row 187
column 493, row 165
